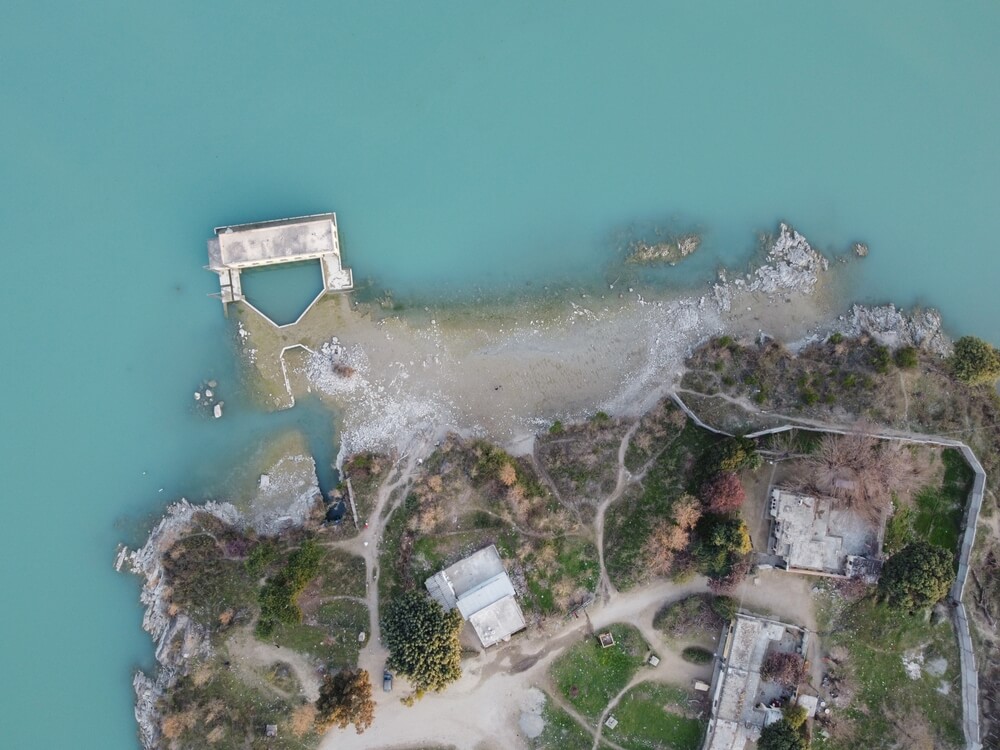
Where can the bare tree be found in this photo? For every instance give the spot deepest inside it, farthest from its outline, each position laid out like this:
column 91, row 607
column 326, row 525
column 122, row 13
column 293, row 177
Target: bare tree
column 861, row 470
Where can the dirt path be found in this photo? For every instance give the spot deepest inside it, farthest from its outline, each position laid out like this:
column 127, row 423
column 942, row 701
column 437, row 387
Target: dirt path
column 368, row 543
column 605, row 590
column 481, row 710
column 246, row 653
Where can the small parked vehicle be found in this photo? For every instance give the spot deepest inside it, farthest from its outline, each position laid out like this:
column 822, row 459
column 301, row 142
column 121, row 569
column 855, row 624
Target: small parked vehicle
column 387, row 681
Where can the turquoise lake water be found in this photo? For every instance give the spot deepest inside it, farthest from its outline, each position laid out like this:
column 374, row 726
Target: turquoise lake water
column 462, row 146
column 284, row 292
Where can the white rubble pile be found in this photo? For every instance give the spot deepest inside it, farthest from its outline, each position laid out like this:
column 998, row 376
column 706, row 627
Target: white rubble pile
column 380, row 410
column 286, row 497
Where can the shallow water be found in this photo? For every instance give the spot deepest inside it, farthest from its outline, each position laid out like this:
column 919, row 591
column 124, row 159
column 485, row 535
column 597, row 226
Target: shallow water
column 462, row 147
column 283, row 292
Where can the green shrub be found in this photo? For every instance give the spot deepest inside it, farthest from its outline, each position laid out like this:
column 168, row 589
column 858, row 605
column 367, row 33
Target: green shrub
column 600, row 419
column 898, row 530
column 918, row 576
column 782, row 736
column 725, row 607
column 729, row 455
column 809, row 396
column 277, row 596
column 557, row 428
column 796, row 716
column 697, row 655
column 975, row 361
column 836, row 337
column 906, row 357
column 880, row 359
column 423, row 641
column 722, row 540
column 261, row 556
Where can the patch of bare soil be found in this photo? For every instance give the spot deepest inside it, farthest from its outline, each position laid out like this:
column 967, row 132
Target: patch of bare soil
column 582, row 459
column 248, row 656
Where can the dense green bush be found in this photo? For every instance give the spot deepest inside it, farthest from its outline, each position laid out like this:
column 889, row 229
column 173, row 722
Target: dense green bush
column 917, row 576
column 906, row 357
column 277, row 596
column 696, row 655
column 880, row 359
column 975, row 361
column 423, row 641
column 796, row 715
column 782, row 736
column 721, row 541
column 725, row 607
column 688, row 618
column 729, row 455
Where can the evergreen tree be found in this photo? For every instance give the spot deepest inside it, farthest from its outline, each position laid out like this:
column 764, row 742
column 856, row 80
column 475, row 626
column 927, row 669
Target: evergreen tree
column 917, row 576
column 423, row 641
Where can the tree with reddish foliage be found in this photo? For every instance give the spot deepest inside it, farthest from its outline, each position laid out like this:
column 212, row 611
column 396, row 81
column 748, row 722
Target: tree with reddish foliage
column 784, row 668
column 723, row 493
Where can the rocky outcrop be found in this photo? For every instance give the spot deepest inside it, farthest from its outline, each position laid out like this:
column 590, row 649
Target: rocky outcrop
column 894, row 328
column 791, row 265
column 178, row 638
column 670, row 252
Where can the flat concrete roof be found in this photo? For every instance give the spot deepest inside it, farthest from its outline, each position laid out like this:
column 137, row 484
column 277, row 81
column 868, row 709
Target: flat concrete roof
column 474, row 570
column 817, row 533
column 498, row 621
column 488, row 592
column 279, row 241
column 481, row 590
column 727, row 736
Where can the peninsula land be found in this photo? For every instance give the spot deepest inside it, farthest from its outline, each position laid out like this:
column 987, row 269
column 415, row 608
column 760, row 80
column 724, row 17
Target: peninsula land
column 751, row 516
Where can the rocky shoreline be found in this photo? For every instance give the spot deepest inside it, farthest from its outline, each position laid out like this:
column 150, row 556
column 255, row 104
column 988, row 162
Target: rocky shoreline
column 177, row 638
column 790, row 266
column 894, row 328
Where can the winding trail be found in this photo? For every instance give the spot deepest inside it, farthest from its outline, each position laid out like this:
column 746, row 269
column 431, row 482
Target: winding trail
column 368, row 543
column 605, row 589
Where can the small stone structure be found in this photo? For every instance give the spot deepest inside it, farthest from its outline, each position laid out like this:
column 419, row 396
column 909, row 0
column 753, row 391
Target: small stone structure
column 267, row 243
column 481, row 590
